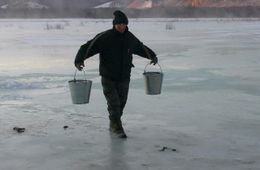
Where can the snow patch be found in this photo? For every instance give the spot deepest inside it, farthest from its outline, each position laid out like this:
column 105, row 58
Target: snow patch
column 36, row 5
column 111, row 4
column 14, row 85
column 4, row 6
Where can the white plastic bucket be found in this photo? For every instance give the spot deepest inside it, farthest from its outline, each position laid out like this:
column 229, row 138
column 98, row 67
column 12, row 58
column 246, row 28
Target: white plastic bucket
column 80, row 90
column 153, row 81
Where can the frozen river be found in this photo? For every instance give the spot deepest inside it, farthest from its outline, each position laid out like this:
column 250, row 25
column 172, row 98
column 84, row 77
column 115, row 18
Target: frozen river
column 208, row 111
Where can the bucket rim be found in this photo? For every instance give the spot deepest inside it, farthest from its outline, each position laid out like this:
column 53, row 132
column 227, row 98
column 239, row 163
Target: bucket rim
column 77, row 81
column 152, row 73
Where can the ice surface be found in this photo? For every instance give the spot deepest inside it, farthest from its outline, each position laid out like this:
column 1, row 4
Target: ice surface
column 208, row 111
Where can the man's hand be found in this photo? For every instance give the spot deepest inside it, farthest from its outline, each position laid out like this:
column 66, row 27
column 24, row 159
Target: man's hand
column 154, row 61
column 79, row 66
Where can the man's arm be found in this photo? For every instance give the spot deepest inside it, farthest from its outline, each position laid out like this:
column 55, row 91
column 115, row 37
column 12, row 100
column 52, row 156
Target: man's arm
column 144, row 51
column 85, row 51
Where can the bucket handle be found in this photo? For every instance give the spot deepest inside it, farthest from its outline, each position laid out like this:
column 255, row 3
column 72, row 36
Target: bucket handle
column 76, row 73
column 150, row 64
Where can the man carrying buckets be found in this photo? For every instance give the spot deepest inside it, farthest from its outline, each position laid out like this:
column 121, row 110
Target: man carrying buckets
column 115, row 47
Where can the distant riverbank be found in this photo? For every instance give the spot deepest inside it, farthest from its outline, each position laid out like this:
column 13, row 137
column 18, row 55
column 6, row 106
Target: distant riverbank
column 180, row 12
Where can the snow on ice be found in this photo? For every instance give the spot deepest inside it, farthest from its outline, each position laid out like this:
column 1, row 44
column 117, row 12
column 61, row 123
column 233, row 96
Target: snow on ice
column 207, row 117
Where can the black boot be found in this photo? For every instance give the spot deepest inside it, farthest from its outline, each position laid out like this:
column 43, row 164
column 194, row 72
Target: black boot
column 116, row 127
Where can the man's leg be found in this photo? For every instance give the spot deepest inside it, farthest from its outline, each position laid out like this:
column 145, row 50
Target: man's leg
column 110, row 90
column 123, row 88
column 112, row 97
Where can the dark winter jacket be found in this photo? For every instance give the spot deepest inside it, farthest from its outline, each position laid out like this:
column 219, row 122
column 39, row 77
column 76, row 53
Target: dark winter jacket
column 115, row 51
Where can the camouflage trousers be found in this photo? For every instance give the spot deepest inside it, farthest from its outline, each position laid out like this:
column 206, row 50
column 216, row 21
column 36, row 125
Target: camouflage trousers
column 116, row 93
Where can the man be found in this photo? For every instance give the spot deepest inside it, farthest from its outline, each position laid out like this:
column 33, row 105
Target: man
column 115, row 47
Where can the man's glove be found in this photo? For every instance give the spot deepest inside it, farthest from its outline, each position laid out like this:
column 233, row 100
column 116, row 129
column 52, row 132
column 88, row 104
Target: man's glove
column 154, row 61
column 79, row 66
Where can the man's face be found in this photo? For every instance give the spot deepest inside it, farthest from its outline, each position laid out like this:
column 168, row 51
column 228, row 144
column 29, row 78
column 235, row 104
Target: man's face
column 120, row 27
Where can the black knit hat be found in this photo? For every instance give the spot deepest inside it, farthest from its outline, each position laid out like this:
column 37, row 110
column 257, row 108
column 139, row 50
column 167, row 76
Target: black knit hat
column 120, row 18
